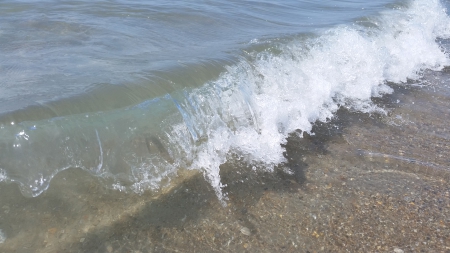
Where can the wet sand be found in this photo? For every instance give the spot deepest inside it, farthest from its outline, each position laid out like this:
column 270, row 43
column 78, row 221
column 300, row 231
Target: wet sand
column 362, row 183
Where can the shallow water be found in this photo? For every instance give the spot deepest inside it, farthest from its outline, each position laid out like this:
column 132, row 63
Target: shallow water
column 324, row 138
column 363, row 182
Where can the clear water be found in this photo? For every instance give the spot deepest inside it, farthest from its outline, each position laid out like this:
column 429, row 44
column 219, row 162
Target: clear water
column 129, row 125
column 133, row 92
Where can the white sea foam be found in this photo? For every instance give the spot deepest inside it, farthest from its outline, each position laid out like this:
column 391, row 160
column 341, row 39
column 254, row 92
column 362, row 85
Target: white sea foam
column 252, row 108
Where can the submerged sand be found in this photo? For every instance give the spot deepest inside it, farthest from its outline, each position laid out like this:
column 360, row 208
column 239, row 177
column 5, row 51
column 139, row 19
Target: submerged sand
column 362, row 183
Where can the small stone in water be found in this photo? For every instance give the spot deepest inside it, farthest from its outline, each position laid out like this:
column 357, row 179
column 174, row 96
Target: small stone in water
column 246, row 231
column 52, row 231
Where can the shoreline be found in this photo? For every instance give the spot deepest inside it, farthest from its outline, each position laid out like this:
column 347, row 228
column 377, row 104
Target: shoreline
column 361, row 183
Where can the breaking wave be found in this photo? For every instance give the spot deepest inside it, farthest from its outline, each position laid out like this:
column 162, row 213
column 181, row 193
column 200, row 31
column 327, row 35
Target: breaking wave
column 274, row 89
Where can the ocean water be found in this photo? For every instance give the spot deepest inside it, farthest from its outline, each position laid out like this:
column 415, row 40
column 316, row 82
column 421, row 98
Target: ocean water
column 133, row 92
column 130, row 97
